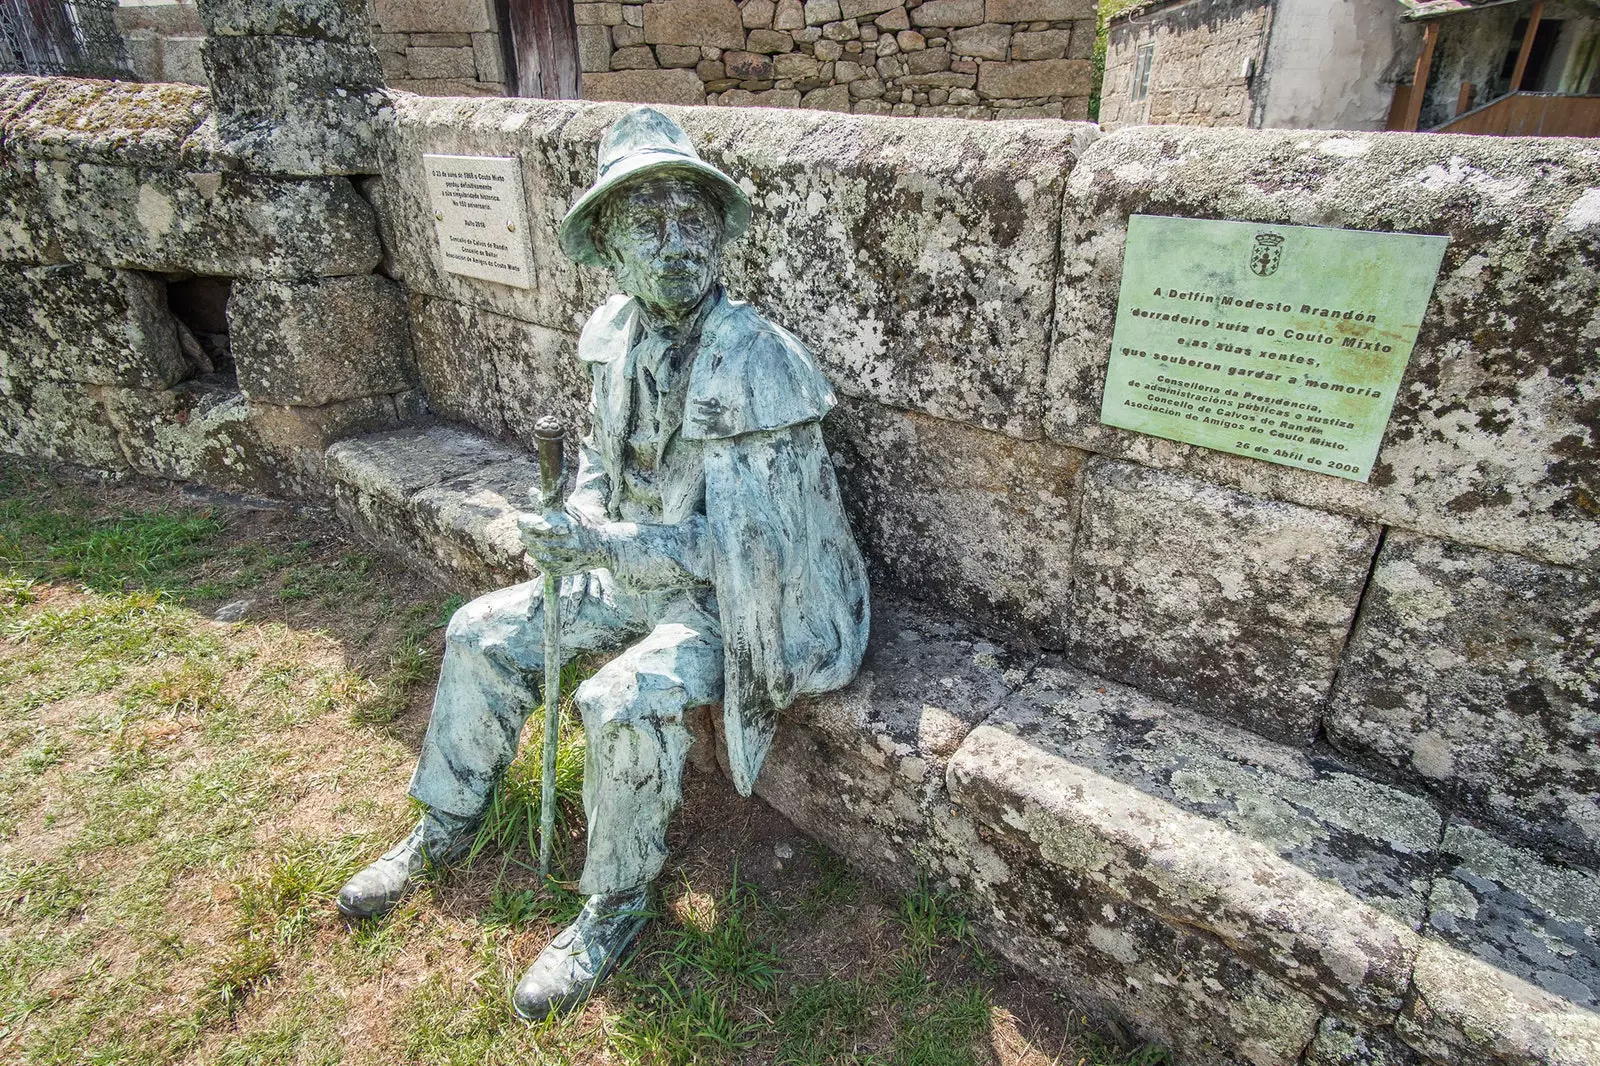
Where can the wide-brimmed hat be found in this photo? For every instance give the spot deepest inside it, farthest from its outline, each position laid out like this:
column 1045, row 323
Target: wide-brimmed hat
column 646, row 143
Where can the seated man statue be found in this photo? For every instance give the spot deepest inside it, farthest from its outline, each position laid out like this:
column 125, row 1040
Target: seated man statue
column 704, row 537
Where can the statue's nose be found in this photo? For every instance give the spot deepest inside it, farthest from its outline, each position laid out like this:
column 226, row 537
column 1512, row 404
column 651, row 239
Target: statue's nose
column 673, row 237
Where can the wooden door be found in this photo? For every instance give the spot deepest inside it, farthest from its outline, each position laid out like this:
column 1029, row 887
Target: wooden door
column 541, row 48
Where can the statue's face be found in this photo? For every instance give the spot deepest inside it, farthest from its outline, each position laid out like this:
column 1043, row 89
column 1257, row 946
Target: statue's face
column 663, row 240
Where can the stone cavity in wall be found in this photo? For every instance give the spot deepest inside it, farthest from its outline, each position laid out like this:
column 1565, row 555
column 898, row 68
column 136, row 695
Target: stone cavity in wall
column 135, row 261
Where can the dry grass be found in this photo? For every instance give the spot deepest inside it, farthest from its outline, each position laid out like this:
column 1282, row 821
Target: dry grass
column 181, row 797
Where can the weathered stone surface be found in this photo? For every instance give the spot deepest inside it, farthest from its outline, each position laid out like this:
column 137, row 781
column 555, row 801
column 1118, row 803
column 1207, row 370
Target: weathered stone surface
column 1473, row 673
column 908, row 256
column 121, row 123
column 226, row 224
column 975, row 521
column 1161, row 981
column 676, row 55
column 988, row 41
column 822, row 12
column 637, row 57
column 1342, row 1043
column 1493, row 434
column 646, row 87
column 204, row 431
column 708, row 23
column 1213, row 598
column 594, row 49
column 329, row 20
column 1045, row 44
column 90, row 325
column 374, row 480
column 26, row 235
column 311, row 343
column 948, row 13
column 947, row 318
column 747, row 65
column 495, row 372
column 863, row 768
column 1465, row 1011
column 1039, row 10
column 1521, row 914
column 770, row 42
column 1373, row 841
column 57, row 420
column 433, row 16
column 442, row 63
column 860, row 8
column 489, row 57
column 1045, row 77
column 290, row 105
column 602, row 14
column 833, row 98
column 1048, row 778
column 757, row 14
column 301, row 435
column 471, row 521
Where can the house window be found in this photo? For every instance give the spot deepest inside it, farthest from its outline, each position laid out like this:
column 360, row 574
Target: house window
column 1143, row 60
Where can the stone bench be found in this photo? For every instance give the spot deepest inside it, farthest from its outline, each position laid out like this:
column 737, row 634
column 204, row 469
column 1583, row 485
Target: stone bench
column 1237, row 899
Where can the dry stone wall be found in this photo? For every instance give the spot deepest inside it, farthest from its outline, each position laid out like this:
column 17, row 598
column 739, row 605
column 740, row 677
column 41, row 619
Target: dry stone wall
column 1274, row 767
column 961, row 58
column 178, row 308
column 1206, row 57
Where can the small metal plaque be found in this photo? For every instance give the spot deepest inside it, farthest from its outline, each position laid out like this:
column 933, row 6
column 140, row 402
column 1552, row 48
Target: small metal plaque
column 481, row 217
column 1282, row 343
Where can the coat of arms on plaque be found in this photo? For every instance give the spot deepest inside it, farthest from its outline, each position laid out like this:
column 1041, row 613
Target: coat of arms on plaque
column 1266, row 253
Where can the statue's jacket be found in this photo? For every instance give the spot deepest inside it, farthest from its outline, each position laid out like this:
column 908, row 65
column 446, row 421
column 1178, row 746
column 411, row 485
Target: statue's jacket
column 791, row 588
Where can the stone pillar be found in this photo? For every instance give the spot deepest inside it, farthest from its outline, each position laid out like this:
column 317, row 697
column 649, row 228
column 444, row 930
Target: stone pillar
column 297, row 85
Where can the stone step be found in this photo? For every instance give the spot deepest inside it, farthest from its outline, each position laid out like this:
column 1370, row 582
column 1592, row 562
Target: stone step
column 444, row 497
column 1238, row 899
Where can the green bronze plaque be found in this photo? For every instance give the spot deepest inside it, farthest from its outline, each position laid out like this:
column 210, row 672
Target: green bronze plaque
column 1283, row 343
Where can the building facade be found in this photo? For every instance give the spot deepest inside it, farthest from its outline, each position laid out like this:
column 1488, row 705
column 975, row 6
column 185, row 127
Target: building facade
column 1349, row 64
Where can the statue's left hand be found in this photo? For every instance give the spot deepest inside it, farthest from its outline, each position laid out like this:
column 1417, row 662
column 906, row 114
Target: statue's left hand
column 561, row 544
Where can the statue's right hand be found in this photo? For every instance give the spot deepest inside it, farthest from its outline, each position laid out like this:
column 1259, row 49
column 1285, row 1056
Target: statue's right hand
column 559, row 543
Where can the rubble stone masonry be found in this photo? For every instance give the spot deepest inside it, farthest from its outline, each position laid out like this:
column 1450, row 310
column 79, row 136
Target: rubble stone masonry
column 1204, row 56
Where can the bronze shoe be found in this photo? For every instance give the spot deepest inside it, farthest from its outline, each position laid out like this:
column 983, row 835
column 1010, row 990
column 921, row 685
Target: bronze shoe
column 581, row 955
column 375, row 890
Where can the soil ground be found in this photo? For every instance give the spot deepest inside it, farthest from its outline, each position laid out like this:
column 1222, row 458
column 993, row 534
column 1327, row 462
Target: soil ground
column 180, row 798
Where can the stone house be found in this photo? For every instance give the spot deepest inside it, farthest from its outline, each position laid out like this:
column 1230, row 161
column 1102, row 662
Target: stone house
column 1487, row 66
column 963, row 58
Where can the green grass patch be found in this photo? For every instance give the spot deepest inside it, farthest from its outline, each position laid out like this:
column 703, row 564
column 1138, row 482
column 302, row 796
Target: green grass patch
column 182, row 798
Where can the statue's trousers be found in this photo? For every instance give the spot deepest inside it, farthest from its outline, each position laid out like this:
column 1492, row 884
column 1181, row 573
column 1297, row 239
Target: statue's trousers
column 633, row 710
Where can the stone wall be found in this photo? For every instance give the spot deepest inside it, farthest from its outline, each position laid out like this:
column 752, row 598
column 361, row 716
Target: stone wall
column 436, row 47
column 1274, row 767
column 963, row 58
column 1206, row 59
column 163, row 38
column 440, row 47
column 184, row 297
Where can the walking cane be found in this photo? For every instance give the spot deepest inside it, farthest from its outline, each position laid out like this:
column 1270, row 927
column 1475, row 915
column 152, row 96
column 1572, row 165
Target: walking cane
column 551, row 435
